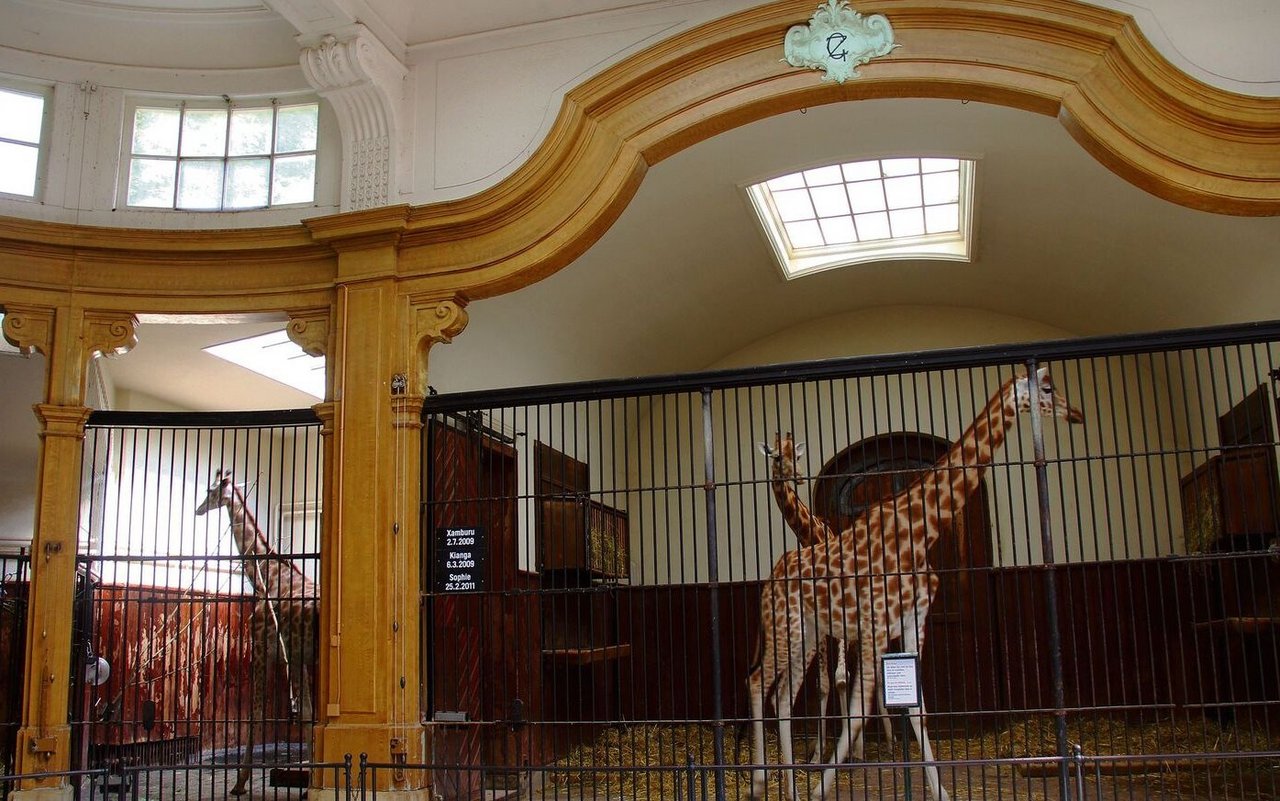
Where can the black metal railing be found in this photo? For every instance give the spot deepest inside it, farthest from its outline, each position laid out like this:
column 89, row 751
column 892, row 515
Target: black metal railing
column 1104, row 592
column 199, row 565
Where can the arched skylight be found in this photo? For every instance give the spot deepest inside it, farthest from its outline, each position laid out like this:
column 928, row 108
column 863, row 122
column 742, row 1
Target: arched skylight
column 861, row 211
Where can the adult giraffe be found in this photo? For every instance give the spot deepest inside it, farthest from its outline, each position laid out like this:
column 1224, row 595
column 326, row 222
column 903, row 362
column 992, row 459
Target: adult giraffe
column 872, row 581
column 810, row 529
column 285, row 618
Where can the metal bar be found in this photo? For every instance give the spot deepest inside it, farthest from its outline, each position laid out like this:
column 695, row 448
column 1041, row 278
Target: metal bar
column 879, row 365
column 1050, row 581
column 271, row 418
column 713, row 576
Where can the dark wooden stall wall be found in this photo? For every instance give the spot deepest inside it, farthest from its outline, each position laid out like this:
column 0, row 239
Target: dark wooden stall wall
column 189, row 653
column 481, row 652
column 13, row 629
column 1128, row 638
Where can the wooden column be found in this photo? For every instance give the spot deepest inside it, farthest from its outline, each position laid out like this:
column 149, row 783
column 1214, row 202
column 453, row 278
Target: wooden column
column 69, row 337
column 369, row 676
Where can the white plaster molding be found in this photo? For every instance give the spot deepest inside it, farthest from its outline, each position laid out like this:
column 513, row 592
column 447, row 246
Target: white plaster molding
column 365, row 83
column 837, row 40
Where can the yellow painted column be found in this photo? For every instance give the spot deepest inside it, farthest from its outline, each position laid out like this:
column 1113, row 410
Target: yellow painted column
column 69, row 337
column 369, row 673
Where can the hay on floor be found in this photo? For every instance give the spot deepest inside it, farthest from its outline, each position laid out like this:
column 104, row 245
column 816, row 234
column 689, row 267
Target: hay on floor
column 654, row 759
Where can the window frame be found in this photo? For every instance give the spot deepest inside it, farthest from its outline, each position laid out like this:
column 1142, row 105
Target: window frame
column 44, row 91
column 946, row 246
column 274, row 102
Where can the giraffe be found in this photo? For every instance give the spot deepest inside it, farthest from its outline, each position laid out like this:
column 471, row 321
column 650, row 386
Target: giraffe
column 872, row 581
column 285, row 615
column 810, row 529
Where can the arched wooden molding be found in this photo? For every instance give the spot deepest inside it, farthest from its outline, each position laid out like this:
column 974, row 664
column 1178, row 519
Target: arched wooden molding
column 1092, row 68
column 1191, row 143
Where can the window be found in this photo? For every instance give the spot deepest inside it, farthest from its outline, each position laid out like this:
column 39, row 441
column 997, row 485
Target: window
column 21, row 131
column 855, row 212
column 277, row 357
column 222, row 158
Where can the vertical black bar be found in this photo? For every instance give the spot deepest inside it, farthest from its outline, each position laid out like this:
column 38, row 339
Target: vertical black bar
column 713, row 579
column 1050, row 582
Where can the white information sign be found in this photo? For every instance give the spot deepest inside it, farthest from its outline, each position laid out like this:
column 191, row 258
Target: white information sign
column 900, row 680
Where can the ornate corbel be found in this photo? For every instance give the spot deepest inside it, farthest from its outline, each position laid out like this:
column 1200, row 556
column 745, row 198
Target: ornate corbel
column 29, row 328
column 434, row 321
column 364, row 81
column 108, row 333
column 309, row 330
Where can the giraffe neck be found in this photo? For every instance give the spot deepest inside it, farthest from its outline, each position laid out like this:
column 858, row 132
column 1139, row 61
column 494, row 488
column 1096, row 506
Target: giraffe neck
column 947, row 485
column 276, row 577
column 808, row 528
column 263, row 574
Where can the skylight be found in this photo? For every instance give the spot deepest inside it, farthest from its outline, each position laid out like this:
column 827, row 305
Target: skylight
column 861, row 211
column 277, row 357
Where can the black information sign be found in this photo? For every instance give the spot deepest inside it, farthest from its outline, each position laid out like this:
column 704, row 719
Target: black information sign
column 460, row 560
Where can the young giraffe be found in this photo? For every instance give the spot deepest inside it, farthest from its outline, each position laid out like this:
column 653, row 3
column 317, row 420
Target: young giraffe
column 285, row 616
column 809, row 530
column 872, row 581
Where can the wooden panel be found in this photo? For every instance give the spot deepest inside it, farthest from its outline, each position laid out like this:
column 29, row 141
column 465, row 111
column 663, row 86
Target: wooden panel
column 189, row 654
column 581, row 534
column 482, row 656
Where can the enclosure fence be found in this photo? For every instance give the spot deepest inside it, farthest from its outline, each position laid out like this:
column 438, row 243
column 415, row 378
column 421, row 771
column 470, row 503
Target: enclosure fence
column 1057, row 586
column 196, row 614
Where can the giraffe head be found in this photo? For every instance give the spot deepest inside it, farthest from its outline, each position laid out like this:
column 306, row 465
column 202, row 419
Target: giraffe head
column 782, row 456
column 221, row 491
column 1050, row 401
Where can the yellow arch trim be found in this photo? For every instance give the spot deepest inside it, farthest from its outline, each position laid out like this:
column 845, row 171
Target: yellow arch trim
column 1146, row 120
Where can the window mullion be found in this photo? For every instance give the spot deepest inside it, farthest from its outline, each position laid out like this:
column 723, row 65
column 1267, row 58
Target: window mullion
column 226, row 161
column 177, row 159
column 271, row 152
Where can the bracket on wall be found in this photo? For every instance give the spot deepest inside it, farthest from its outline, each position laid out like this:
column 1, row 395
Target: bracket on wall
column 45, row 746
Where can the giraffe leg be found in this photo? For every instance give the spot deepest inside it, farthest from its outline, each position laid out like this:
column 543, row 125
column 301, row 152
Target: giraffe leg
column 861, row 699
column 800, row 656
column 824, row 692
column 258, row 662
column 762, row 683
column 756, row 689
column 913, row 640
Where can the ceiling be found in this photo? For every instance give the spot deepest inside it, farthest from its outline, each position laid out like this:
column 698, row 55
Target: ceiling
column 683, row 280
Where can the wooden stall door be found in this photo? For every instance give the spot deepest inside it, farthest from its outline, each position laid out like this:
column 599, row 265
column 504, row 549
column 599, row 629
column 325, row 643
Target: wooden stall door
column 479, row 657
column 960, row 666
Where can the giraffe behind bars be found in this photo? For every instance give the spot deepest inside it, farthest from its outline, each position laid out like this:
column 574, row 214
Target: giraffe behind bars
column 285, row 618
column 871, row 583
column 811, row 529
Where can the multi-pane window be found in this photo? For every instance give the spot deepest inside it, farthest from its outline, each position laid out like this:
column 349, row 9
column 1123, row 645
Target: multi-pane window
column 223, row 159
column 860, row 211
column 21, row 128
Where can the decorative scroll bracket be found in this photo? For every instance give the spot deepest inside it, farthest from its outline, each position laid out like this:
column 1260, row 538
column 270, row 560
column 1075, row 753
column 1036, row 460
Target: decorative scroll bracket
column 838, row 39
column 309, row 330
column 435, row 320
column 365, row 83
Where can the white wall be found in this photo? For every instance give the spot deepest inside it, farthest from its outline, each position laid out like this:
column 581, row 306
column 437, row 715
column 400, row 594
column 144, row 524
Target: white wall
column 1112, row 494
column 148, row 482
